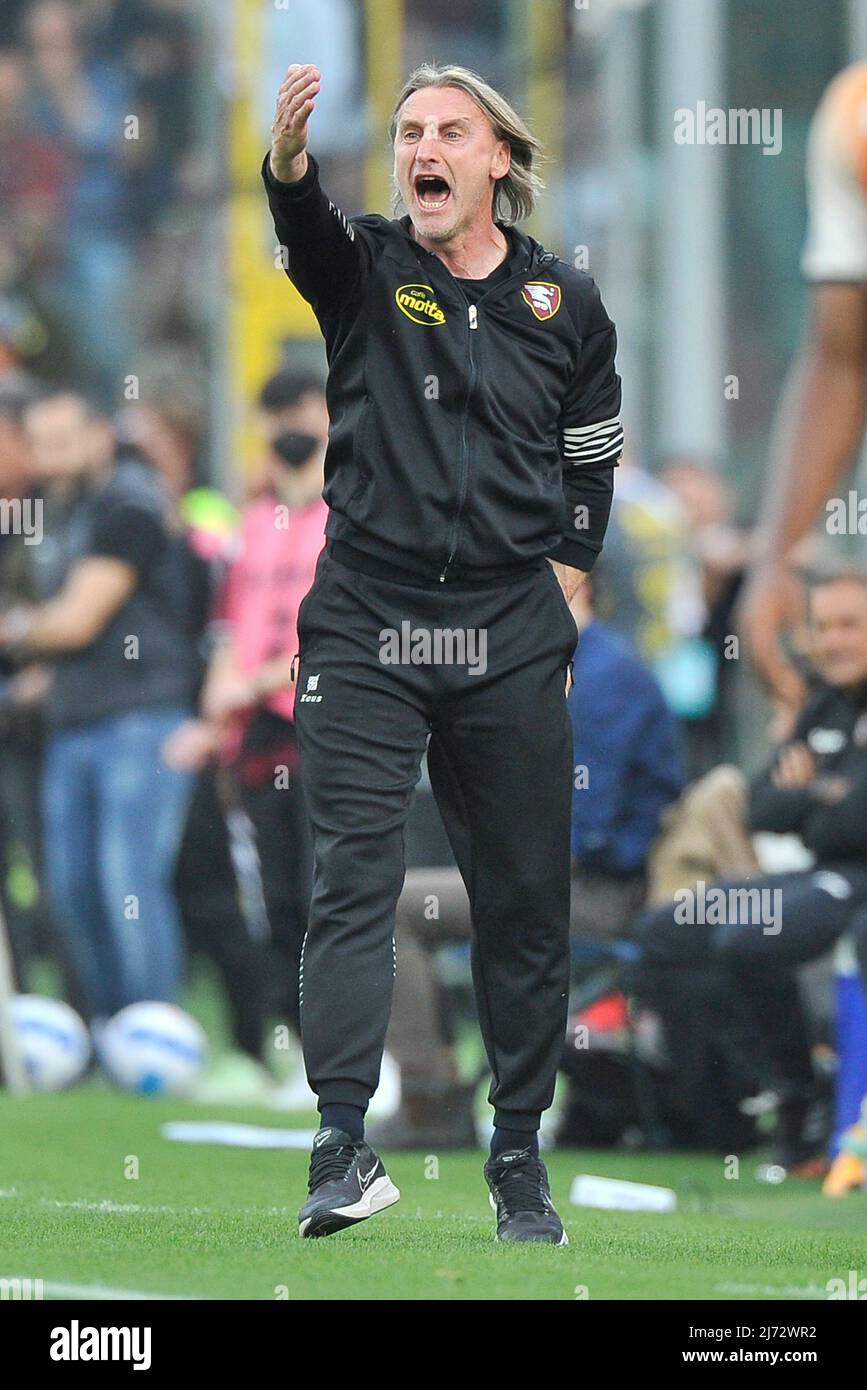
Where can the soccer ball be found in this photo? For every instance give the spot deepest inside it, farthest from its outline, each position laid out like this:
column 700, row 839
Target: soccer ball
column 53, row 1040
column 153, row 1049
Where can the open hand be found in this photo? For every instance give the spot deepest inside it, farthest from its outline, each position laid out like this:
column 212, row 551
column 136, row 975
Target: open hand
column 774, row 603
column 295, row 101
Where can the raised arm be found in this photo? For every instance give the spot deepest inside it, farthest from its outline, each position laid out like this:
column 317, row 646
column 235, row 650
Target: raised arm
column 820, row 419
column 324, row 257
column 818, row 430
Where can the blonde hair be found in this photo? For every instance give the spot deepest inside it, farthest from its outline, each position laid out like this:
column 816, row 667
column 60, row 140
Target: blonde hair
column 516, row 194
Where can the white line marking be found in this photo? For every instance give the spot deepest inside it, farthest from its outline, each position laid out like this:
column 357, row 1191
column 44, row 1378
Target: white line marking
column 136, row 1209
column 98, row 1291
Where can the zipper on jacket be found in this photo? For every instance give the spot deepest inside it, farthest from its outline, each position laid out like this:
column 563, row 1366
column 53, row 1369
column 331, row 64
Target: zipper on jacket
column 473, row 320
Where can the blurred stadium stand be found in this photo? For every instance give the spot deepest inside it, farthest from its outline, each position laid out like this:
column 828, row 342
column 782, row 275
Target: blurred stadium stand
column 137, row 260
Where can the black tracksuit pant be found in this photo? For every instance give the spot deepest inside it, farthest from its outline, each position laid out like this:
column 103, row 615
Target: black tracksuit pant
column 500, row 761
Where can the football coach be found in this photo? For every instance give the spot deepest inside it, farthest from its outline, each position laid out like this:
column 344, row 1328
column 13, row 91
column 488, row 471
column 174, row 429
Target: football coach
column 475, row 428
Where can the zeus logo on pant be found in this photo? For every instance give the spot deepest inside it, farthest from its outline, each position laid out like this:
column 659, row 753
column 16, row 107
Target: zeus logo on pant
column 308, row 697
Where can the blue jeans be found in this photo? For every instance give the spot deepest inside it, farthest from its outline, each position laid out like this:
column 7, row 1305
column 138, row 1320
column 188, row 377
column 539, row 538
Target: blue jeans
column 113, row 816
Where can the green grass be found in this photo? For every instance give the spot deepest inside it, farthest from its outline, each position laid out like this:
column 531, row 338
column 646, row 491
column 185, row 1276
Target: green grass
column 213, row 1222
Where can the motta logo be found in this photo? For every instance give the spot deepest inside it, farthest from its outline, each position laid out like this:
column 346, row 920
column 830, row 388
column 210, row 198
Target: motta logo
column 543, row 299
column 419, row 304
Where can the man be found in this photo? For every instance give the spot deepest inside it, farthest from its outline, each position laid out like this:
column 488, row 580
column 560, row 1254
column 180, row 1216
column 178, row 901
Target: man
column 820, row 423
column 29, row 923
column 627, row 770
column 756, row 931
column 248, row 699
column 112, row 626
column 474, row 429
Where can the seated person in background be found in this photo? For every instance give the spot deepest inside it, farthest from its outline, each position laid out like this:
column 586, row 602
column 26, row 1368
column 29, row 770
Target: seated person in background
column 705, row 834
column 745, row 938
column 627, row 771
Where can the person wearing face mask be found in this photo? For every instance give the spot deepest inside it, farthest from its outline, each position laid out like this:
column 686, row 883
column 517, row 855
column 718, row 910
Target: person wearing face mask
column 248, row 698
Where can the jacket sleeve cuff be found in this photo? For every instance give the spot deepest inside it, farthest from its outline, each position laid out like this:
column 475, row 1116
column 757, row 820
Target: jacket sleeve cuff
column 290, row 190
column 575, row 553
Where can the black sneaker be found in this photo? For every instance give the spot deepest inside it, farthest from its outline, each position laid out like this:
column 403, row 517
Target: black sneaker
column 347, row 1184
column 522, row 1199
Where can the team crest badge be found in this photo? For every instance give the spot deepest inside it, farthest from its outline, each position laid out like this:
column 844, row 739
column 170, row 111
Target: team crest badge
column 542, row 298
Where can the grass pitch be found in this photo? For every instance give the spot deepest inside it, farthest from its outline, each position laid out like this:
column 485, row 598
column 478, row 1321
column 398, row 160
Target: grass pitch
column 208, row 1222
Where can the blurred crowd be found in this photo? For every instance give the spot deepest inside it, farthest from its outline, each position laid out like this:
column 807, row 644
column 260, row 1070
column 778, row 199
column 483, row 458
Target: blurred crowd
column 150, row 808
column 151, row 814
column 102, row 188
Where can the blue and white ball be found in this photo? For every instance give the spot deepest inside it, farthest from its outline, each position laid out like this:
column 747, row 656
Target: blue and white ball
column 153, row 1049
column 53, row 1041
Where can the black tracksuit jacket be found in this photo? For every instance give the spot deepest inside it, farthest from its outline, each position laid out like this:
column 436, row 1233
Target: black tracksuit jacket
column 467, row 440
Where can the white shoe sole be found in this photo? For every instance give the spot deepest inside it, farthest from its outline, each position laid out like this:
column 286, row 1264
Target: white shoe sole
column 381, row 1194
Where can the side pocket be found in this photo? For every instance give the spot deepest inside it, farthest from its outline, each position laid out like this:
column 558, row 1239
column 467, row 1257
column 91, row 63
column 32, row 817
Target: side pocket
column 571, row 627
column 299, row 625
column 306, row 603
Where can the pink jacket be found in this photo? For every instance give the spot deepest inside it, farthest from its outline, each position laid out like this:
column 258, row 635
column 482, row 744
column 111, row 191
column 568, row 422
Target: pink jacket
column 273, row 571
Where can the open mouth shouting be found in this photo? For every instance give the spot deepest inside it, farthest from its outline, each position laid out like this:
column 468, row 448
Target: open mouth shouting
column 432, row 192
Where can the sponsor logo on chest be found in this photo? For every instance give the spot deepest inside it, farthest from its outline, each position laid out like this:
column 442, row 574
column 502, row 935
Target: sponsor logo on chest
column 419, row 303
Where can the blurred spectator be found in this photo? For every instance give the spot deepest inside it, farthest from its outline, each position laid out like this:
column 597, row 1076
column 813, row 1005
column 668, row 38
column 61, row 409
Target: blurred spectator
column 33, row 176
column 747, row 947
column 155, row 43
column 674, row 565
column 21, row 336
column 102, row 192
column 20, row 723
column 114, row 626
column 79, row 103
column 167, row 431
column 10, row 19
column 249, row 697
column 630, row 769
column 205, row 881
column 705, row 835
column 627, row 770
column 652, row 593
column 15, row 465
column 206, row 884
column 721, row 552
